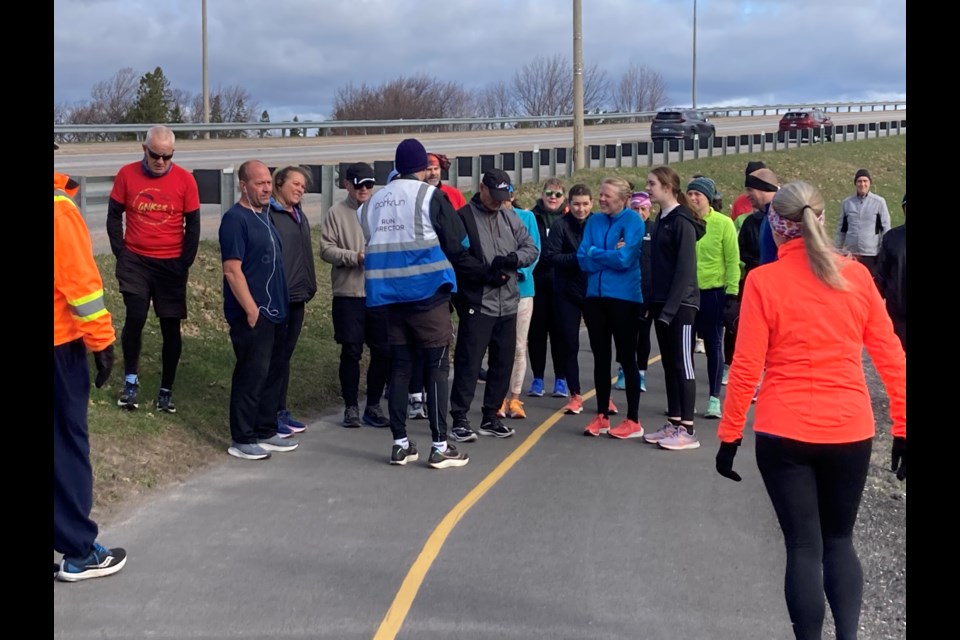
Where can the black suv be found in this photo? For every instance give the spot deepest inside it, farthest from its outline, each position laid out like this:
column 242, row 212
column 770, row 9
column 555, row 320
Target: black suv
column 677, row 125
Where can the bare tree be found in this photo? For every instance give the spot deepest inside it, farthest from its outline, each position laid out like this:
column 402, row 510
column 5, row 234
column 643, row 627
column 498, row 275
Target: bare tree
column 496, row 100
column 412, row 98
column 111, row 101
column 544, row 87
column 113, row 98
column 229, row 104
column 640, row 89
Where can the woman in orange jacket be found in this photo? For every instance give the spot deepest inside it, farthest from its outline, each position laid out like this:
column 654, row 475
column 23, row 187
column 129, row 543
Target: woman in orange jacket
column 806, row 318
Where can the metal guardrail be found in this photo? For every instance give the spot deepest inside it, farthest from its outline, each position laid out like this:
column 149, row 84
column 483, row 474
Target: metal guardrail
column 329, row 126
column 219, row 186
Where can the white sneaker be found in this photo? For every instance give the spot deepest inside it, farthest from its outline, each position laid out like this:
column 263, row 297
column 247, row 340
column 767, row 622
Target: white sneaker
column 680, row 440
column 698, row 347
column 416, row 410
column 275, row 443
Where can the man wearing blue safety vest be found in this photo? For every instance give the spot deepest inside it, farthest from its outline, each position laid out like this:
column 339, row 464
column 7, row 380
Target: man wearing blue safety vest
column 413, row 240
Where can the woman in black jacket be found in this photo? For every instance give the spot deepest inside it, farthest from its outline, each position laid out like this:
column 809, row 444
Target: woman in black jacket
column 569, row 285
column 289, row 185
column 674, row 301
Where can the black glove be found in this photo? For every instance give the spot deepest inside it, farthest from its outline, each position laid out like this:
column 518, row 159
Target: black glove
column 898, row 458
column 104, row 361
column 497, row 278
column 509, row 261
column 731, row 312
column 725, row 456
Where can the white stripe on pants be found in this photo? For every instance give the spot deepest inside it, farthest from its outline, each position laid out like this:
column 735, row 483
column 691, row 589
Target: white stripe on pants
column 524, row 313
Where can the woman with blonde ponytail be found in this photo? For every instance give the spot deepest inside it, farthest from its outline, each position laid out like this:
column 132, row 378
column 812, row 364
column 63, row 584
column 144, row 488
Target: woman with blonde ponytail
column 807, row 317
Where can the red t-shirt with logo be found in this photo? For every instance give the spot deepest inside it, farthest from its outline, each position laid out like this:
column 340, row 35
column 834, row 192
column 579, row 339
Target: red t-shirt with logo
column 154, row 208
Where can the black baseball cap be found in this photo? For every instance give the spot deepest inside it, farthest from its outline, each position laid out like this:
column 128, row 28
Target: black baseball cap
column 360, row 173
column 498, row 182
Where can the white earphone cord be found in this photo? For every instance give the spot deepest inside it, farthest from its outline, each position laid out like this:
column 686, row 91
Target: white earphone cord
column 273, row 313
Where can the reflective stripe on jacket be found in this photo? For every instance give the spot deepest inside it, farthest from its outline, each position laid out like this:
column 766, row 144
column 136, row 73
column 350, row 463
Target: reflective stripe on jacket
column 78, row 306
column 403, row 260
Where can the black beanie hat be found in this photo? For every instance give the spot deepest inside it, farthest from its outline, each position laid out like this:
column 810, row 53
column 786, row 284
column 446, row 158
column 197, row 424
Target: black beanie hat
column 862, row 173
column 411, row 157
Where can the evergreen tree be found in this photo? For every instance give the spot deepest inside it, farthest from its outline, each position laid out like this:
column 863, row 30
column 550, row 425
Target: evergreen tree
column 153, row 99
column 296, row 133
column 264, row 117
column 216, row 109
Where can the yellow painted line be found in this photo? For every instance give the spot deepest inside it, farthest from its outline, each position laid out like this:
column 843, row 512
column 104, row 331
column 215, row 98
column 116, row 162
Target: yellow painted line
column 400, row 607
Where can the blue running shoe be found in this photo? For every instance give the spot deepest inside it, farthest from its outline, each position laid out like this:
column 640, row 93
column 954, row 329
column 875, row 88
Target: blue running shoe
column 560, row 389
column 283, row 430
column 536, row 387
column 295, row 425
column 621, row 383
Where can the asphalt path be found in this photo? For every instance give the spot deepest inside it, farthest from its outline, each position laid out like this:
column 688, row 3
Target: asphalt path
column 548, row 534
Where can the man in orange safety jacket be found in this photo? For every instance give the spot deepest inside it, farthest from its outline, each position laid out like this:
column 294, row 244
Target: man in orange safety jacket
column 80, row 322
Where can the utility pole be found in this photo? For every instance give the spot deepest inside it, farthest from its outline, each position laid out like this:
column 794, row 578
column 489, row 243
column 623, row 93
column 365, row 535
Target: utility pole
column 578, row 159
column 206, row 91
column 694, row 54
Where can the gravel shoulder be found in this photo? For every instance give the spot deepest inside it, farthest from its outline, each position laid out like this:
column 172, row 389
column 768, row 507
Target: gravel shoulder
column 880, row 535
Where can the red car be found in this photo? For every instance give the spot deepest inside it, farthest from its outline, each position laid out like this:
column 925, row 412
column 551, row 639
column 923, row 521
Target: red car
column 811, row 119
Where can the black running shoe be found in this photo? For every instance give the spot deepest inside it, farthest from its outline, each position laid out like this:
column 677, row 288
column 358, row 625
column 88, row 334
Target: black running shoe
column 399, row 455
column 449, row 458
column 491, row 426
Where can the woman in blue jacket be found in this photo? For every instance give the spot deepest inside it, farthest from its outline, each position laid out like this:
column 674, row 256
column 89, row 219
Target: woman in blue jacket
column 610, row 256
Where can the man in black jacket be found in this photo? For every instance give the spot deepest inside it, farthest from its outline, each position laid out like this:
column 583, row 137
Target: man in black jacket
column 891, row 276
column 487, row 303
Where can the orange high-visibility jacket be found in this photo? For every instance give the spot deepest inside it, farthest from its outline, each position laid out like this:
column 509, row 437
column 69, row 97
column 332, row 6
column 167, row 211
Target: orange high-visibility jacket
column 78, row 307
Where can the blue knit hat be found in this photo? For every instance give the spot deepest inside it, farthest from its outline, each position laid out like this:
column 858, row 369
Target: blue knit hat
column 704, row 185
column 411, row 157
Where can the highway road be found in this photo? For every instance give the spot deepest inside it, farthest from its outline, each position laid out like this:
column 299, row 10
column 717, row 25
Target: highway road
column 106, row 158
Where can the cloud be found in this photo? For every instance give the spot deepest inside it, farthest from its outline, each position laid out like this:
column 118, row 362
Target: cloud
column 293, row 55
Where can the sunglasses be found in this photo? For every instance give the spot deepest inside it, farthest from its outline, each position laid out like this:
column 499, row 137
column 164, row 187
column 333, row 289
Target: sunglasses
column 366, row 184
column 553, row 194
column 159, row 156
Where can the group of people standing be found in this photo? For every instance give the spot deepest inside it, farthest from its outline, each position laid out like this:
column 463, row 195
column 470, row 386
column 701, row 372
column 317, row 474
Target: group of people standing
column 405, row 257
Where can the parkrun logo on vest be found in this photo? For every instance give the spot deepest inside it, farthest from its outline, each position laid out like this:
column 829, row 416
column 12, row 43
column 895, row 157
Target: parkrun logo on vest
column 388, row 201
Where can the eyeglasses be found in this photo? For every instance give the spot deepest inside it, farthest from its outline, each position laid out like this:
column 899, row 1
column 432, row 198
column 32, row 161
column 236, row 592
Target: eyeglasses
column 366, row 184
column 159, row 156
column 553, row 194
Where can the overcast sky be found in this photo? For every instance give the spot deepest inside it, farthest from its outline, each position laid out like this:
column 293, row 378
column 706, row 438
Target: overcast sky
column 292, row 55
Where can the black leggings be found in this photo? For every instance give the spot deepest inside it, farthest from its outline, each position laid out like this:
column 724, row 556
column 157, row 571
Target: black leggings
column 131, row 340
column 569, row 312
column 815, row 490
column 643, row 339
column 608, row 318
column 543, row 324
column 676, row 351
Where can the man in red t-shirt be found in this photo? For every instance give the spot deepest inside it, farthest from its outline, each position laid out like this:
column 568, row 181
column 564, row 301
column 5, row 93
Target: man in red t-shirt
column 154, row 253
